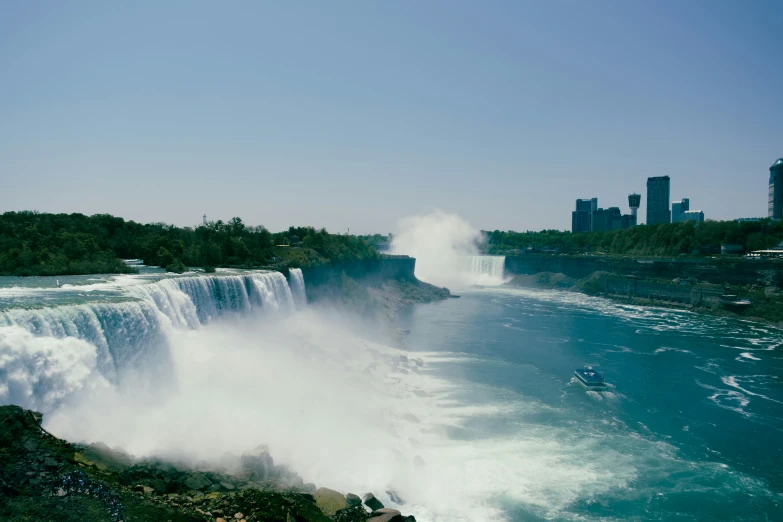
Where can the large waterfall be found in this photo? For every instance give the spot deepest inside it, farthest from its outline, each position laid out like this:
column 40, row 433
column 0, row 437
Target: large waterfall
column 47, row 352
column 483, row 270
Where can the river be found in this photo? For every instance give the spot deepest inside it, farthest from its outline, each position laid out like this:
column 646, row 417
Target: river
column 475, row 417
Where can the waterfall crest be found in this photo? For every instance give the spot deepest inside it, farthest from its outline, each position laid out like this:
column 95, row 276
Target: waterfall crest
column 42, row 350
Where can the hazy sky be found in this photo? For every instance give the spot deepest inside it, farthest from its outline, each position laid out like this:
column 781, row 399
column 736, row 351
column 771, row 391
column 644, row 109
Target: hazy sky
column 355, row 114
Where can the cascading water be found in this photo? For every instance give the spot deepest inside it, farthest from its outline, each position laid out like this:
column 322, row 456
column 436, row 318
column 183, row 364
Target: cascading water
column 297, row 285
column 482, row 270
column 46, row 353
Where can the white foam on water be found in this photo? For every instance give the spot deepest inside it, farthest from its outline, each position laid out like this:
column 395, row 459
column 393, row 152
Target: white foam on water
column 664, row 349
column 747, row 355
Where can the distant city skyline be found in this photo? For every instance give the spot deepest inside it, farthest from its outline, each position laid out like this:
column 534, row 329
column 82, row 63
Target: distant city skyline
column 355, row 115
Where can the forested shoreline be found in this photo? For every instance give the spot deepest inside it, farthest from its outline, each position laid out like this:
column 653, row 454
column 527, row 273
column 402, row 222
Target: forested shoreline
column 39, row 244
column 672, row 239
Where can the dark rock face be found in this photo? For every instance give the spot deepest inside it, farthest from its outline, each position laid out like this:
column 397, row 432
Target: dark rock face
column 386, row 517
column 371, row 502
column 259, row 462
column 353, row 500
column 196, row 481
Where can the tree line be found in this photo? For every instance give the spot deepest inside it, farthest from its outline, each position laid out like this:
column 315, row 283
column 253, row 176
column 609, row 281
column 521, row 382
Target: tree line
column 33, row 243
column 671, row 239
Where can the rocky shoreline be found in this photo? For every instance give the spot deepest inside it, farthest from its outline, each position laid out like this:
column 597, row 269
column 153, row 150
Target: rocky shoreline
column 590, row 286
column 34, row 465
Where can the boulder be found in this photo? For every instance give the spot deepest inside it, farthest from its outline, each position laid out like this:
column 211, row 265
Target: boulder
column 371, row 502
column 51, row 463
column 353, row 500
column 385, row 511
column 228, row 486
column 159, row 486
column 196, row 481
column 259, row 462
column 329, row 500
column 238, row 516
column 386, row 517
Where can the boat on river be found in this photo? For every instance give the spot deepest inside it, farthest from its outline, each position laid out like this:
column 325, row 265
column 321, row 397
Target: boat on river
column 590, row 379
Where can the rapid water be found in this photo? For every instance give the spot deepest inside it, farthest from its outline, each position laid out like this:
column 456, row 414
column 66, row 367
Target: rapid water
column 690, row 430
column 475, row 418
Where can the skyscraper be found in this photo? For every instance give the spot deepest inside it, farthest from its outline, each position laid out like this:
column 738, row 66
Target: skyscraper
column 678, row 208
column 582, row 217
column 776, row 190
column 658, row 200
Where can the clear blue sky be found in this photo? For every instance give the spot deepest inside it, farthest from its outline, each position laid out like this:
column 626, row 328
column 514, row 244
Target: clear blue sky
column 354, row 114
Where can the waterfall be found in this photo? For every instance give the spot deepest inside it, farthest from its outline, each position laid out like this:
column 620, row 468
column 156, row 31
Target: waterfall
column 42, row 350
column 483, row 270
column 297, row 285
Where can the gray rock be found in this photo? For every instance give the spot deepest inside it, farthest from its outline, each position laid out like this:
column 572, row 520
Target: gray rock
column 353, row 500
column 197, row 481
column 330, row 501
column 30, row 445
column 51, row 463
column 259, row 462
column 387, row 517
column 228, row 486
column 385, row 511
column 371, row 502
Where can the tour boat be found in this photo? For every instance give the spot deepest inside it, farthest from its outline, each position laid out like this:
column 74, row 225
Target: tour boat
column 590, row 379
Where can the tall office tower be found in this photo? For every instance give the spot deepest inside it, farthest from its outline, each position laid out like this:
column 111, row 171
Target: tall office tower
column 658, row 189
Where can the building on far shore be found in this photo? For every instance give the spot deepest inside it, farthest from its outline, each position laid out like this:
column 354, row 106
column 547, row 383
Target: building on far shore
column 678, row 208
column 693, row 215
column 775, row 203
column 681, row 211
column 588, row 217
column 658, row 190
column 582, row 217
column 634, row 201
